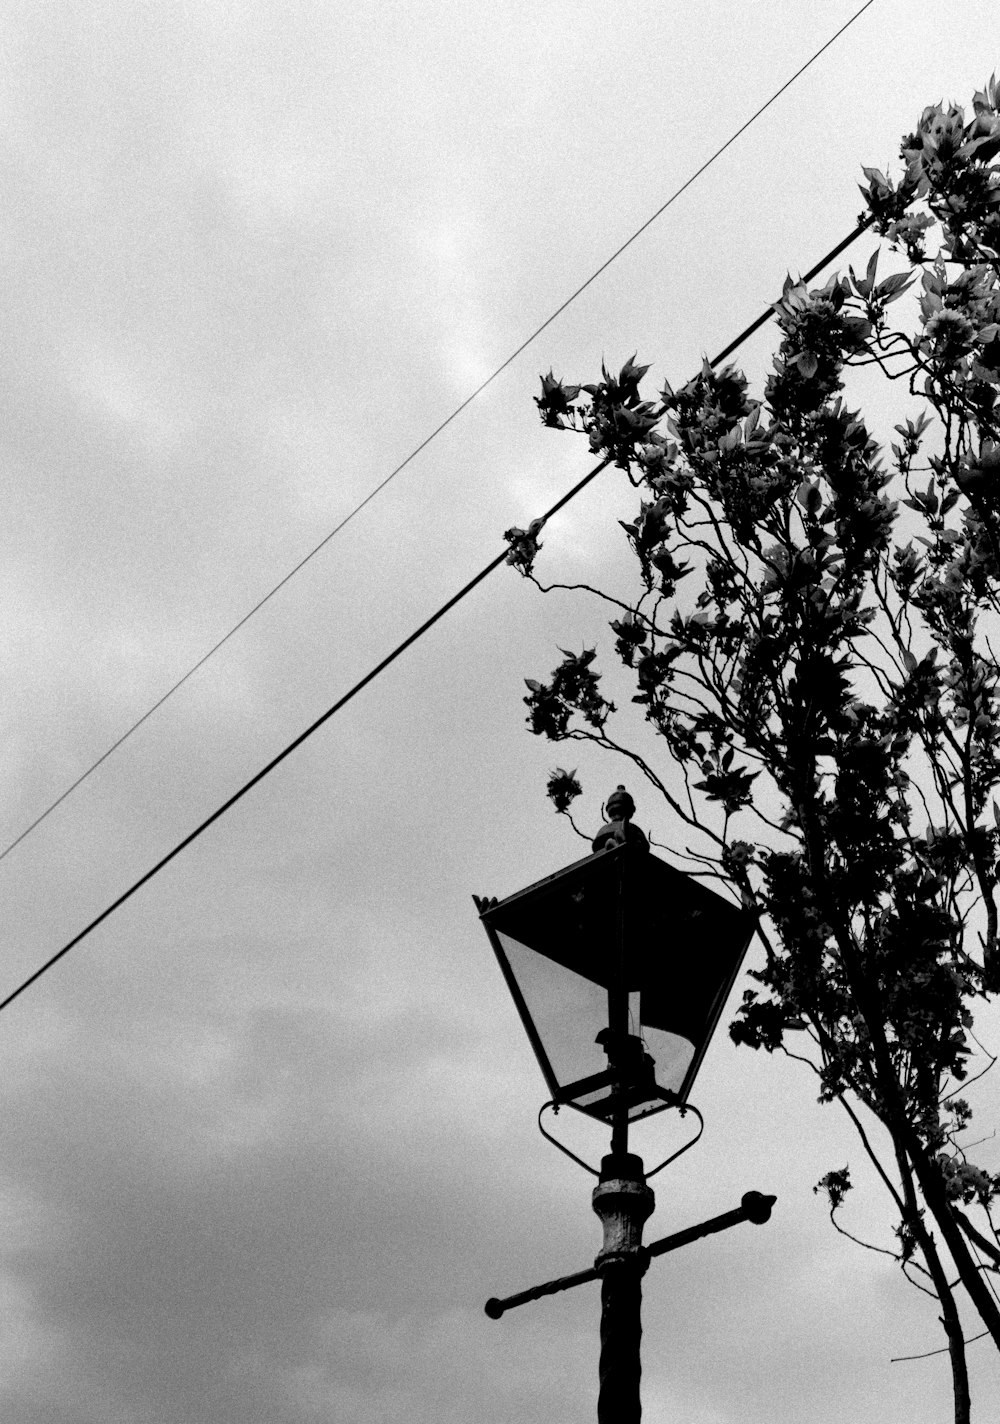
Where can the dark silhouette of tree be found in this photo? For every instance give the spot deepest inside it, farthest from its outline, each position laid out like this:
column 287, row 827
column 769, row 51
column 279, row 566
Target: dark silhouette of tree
column 809, row 635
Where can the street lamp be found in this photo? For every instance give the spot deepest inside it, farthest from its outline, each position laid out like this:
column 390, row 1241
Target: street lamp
column 619, row 967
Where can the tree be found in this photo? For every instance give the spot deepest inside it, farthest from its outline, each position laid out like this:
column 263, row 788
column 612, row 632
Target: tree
column 809, row 636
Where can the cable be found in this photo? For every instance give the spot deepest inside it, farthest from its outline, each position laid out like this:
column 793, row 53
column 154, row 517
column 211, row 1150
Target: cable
column 764, row 317
column 407, row 642
column 434, row 433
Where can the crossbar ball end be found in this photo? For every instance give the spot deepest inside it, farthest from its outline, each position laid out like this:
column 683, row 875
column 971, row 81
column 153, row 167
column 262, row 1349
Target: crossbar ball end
column 757, row 1207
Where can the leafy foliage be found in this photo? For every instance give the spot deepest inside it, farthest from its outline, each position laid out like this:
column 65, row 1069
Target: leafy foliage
column 835, row 1185
column 563, row 788
column 810, row 637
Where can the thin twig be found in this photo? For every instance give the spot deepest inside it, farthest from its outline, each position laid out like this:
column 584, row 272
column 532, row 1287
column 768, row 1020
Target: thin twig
column 897, row 1359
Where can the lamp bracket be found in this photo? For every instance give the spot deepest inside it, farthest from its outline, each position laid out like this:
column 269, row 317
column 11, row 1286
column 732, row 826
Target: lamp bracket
column 682, row 1108
column 594, row 1171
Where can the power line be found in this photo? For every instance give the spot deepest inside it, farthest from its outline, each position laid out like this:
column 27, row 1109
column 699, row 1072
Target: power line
column 369, row 677
column 764, row 317
column 425, row 442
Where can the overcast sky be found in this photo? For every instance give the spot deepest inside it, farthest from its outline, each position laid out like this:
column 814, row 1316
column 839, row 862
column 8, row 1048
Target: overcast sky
column 268, row 1135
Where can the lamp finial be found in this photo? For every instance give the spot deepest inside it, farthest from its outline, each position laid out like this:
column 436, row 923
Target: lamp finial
column 618, row 828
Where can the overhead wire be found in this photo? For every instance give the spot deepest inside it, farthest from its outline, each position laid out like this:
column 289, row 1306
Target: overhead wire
column 386, row 662
column 306, row 558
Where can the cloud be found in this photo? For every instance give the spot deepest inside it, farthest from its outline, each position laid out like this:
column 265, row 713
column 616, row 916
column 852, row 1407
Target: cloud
column 269, row 1134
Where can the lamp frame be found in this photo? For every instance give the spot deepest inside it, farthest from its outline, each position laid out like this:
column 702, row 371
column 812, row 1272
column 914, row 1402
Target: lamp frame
column 621, row 857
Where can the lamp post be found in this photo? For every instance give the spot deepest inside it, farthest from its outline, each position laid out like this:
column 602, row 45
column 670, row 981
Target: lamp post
column 619, row 967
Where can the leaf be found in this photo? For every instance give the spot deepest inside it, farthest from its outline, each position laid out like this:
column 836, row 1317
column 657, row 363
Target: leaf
column 563, row 788
column 631, row 373
column 893, row 287
column 810, row 496
column 909, row 661
column 731, row 440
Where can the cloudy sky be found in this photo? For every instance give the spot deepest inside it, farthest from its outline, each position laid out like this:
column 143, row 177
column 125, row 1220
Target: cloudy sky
column 268, row 1135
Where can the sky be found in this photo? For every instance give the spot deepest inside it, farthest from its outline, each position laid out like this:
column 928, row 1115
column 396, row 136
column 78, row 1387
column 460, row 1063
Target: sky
column 269, row 1137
